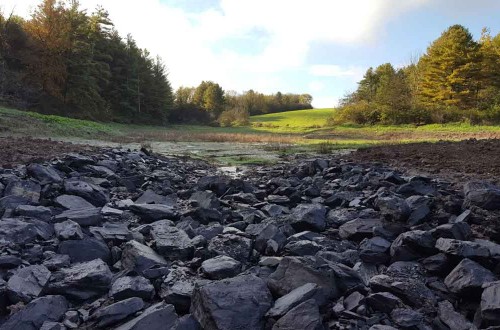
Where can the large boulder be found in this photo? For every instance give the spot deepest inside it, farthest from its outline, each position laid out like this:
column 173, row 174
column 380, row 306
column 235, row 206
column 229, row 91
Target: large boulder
column 81, row 281
column 490, row 304
column 159, row 316
column 171, row 242
column 309, row 217
column 237, row 303
column 86, row 249
column 90, row 192
column 482, row 194
column 38, row 311
column 139, row 257
column 220, row 267
column 27, row 283
column 467, row 278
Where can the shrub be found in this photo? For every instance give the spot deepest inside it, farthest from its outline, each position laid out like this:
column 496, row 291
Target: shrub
column 234, row 117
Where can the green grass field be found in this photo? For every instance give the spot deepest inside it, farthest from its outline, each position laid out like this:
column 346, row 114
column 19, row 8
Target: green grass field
column 303, row 129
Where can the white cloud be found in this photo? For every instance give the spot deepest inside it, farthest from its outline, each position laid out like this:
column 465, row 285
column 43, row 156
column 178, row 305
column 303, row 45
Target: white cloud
column 185, row 40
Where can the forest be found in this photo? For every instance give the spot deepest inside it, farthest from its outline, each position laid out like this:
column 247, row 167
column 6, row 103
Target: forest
column 65, row 61
column 456, row 80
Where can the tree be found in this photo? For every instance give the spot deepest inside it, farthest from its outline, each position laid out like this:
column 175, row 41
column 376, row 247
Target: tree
column 450, row 70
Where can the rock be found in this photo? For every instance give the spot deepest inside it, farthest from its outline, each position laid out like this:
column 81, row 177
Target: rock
column 304, row 316
column 132, row 286
column 44, row 174
column 150, row 197
column 26, row 189
column 463, row 249
column 406, row 317
column 459, row 230
column 17, row 231
column 9, row 261
column 205, row 199
column 294, row 298
column 292, row 273
column 308, row 217
column 481, row 194
column 57, row 261
column 37, row 212
column 48, row 325
column 467, row 278
column 171, row 242
column 217, row 184
column 393, row 208
column 81, row 281
column 302, row 248
column 213, row 304
column 91, row 193
column 38, row 311
column 115, row 233
column 375, row 250
column 27, row 283
column 384, row 302
column 220, row 267
column 114, row 313
column 359, row 229
column 382, row 327
column 413, row 245
column 68, row 230
column 490, row 304
column 157, row 317
column 178, row 290
column 265, row 233
column 452, row 319
column 72, row 202
column 139, row 257
column 153, row 212
column 188, row 322
column 234, row 246
column 84, row 217
column 438, row 264
column 87, row 249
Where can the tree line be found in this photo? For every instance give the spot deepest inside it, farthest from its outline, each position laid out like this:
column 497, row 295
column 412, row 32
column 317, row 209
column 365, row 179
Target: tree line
column 65, row 61
column 208, row 102
column 456, row 79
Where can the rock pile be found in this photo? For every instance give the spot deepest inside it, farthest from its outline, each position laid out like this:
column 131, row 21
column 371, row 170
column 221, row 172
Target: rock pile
column 127, row 240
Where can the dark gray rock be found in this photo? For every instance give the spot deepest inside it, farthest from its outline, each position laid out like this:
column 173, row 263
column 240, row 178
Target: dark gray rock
column 68, row 230
column 157, row 317
column 115, row 233
column 86, row 249
column 413, row 245
column 188, row 322
column 81, row 281
column 358, row 229
column 292, row 273
column 294, row 298
column 26, row 189
column 304, row 316
column 490, row 304
column 384, row 302
column 150, row 197
column 221, row 304
column 72, row 202
column 467, row 278
column 37, row 212
column 9, row 261
column 438, row 264
column 266, row 232
column 27, row 283
column 139, row 257
column 205, row 199
column 309, row 217
column 302, row 248
column 90, row 192
column 49, row 325
column 482, row 194
column 153, row 212
column 132, row 286
column 393, row 208
column 234, row 246
column 451, row 318
column 220, row 267
column 17, row 231
column 171, row 242
column 459, row 230
column 44, row 174
column 406, row 317
column 177, row 289
column 84, row 217
column 114, row 313
column 38, row 311
column 463, row 249
column 375, row 250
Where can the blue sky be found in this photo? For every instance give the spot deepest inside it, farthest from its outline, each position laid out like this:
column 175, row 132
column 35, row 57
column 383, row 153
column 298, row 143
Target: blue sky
column 320, row 47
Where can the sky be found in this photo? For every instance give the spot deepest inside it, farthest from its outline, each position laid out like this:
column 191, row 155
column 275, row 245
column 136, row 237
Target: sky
column 319, row 47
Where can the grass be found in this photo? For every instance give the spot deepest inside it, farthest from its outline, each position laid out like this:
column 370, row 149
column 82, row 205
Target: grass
column 282, row 133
